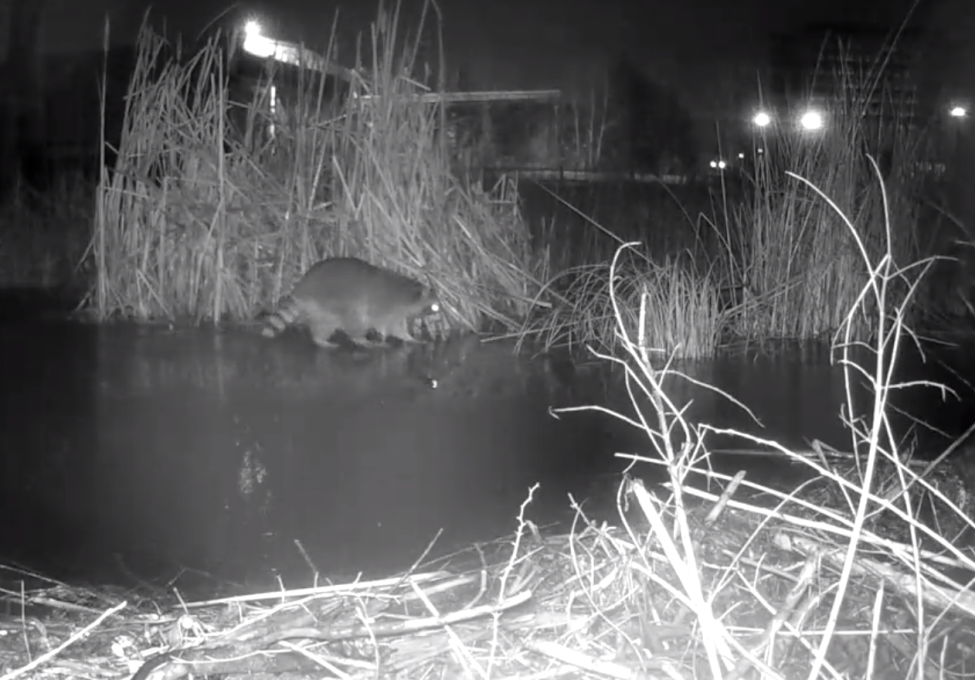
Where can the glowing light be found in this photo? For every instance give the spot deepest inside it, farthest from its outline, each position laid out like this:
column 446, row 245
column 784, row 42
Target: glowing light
column 272, row 128
column 762, row 119
column 718, row 165
column 260, row 46
column 811, row 120
column 741, row 156
column 263, row 47
column 958, row 112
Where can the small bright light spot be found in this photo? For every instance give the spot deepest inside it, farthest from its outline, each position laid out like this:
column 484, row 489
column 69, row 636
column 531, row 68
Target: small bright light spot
column 273, row 96
column 762, row 119
column 722, row 165
column 811, row 120
column 714, row 165
column 958, row 112
column 761, row 151
column 741, row 156
column 252, row 28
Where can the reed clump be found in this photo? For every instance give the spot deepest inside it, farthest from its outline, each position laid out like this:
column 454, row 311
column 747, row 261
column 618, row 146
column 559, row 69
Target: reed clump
column 214, row 209
column 683, row 317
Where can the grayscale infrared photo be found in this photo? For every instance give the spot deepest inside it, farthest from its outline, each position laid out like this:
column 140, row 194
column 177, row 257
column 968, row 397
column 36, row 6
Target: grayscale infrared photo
column 487, row 339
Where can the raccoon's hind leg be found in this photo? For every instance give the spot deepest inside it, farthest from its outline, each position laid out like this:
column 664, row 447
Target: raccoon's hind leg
column 322, row 322
column 366, row 339
column 322, row 330
column 369, row 338
column 360, row 331
column 322, row 336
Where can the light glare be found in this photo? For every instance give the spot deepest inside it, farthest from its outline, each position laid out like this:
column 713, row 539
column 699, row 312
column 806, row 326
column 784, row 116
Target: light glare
column 762, row 119
column 811, row 121
column 252, row 28
column 259, row 46
column 958, row 112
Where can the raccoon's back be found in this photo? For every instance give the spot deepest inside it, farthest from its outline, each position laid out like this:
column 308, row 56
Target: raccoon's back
column 351, row 282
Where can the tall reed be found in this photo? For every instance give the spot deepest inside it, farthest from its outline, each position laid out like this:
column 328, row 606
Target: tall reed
column 801, row 268
column 206, row 215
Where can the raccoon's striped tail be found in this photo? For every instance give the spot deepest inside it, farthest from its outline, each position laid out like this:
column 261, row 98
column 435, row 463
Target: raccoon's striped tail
column 276, row 322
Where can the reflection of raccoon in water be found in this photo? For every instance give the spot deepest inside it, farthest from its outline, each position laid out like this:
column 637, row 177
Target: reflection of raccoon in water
column 434, row 363
column 348, row 294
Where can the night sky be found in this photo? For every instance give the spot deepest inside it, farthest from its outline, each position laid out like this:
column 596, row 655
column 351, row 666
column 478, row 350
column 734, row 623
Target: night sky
column 520, row 44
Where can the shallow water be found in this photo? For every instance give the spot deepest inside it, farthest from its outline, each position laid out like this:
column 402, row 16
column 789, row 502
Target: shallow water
column 142, row 451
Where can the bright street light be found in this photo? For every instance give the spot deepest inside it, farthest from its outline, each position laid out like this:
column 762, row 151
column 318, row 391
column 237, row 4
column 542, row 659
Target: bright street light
column 958, row 112
column 263, row 47
column 811, row 121
column 762, row 119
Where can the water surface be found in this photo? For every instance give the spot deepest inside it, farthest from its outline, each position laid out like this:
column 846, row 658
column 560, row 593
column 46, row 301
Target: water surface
column 144, row 450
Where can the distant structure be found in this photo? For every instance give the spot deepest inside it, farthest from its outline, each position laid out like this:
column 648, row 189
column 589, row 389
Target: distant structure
column 880, row 63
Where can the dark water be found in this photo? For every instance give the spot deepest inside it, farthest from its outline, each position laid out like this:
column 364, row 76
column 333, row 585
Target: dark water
column 143, row 451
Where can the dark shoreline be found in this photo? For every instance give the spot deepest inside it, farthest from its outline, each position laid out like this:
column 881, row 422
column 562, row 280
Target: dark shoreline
column 25, row 304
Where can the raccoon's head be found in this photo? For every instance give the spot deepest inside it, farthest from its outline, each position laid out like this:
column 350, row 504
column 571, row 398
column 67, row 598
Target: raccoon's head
column 425, row 301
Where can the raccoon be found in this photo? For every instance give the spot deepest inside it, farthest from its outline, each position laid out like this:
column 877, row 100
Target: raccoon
column 351, row 295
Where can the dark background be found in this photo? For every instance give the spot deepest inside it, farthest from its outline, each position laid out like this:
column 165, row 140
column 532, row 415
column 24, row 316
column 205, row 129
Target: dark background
column 701, row 46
